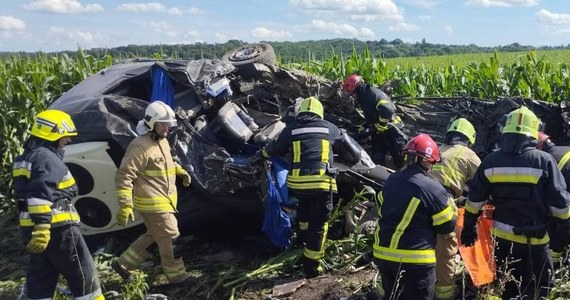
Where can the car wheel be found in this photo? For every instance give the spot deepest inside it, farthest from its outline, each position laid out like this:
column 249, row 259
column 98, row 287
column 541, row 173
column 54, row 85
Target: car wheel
column 252, row 60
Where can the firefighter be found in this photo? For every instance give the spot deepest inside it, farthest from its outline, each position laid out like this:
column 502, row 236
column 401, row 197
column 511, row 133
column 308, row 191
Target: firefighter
column 457, row 167
column 311, row 178
column 562, row 156
column 381, row 119
column 527, row 190
column 44, row 187
column 145, row 182
column 413, row 209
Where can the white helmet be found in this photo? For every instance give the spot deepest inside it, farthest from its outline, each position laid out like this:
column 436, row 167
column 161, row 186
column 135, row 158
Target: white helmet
column 156, row 112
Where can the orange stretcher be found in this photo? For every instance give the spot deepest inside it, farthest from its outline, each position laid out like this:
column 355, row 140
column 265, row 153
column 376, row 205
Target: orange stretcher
column 478, row 259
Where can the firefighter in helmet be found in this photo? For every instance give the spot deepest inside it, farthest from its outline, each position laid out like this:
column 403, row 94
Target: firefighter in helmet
column 44, row 187
column 457, row 167
column 528, row 192
column 380, row 117
column 562, row 156
column 311, row 179
column 145, row 182
column 413, row 209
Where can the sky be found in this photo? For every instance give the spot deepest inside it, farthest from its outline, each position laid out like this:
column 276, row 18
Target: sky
column 55, row 25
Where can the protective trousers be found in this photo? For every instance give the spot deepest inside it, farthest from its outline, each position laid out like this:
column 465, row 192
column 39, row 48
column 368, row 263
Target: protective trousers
column 445, row 251
column 406, row 281
column 66, row 254
column 392, row 140
column 534, row 269
column 313, row 211
column 162, row 229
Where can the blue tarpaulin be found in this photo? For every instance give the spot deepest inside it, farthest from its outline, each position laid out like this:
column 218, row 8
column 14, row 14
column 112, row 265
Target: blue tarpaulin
column 162, row 87
column 277, row 224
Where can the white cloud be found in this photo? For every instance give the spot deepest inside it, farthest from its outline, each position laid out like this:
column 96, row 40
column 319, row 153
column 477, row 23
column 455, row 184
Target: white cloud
column 62, row 6
column 502, row 3
column 425, row 17
column 8, row 23
column 157, row 7
column 265, row 33
column 363, row 10
column 402, row 26
column 448, row 29
column 544, row 16
column 75, row 38
column 142, row 7
column 554, row 23
column 424, row 4
column 165, row 29
column 338, row 29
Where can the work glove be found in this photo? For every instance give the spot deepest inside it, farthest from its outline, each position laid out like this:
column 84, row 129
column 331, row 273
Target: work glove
column 125, row 214
column 469, row 232
column 40, row 239
column 183, row 174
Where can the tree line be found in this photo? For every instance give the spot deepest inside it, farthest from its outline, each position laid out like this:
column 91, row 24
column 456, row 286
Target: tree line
column 288, row 52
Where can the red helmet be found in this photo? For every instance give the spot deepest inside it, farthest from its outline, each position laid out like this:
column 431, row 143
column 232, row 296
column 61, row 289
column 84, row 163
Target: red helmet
column 542, row 139
column 422, row 145
column 351, row 83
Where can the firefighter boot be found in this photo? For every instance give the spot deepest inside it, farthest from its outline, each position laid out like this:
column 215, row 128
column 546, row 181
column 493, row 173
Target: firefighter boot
column 311, row 267
column 176, row 273
column 122, row 271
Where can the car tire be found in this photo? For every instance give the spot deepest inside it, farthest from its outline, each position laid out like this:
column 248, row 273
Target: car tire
column 252, row 60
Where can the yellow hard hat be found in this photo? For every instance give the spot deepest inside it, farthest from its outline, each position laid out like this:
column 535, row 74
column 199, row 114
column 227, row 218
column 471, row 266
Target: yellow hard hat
column 53, row 124
column 522, row 121
column 312, row 105
column 464, row 127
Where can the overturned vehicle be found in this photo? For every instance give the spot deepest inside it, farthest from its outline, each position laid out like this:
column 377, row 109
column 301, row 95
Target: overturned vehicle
column 228, row 109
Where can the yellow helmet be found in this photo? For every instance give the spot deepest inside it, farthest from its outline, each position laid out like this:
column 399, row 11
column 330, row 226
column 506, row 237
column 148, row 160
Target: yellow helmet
column 522, row 121
column 52, row 124
column 312, row 105
column 464, row 127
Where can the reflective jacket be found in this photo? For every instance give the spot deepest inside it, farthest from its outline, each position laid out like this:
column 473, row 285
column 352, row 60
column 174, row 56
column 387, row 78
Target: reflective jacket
column 309, row 141
column 458, row 165
column 147, row 176
column 412, row 208
column 525, row 186
column 562, row 156
column 43, row 186
column 377, row 107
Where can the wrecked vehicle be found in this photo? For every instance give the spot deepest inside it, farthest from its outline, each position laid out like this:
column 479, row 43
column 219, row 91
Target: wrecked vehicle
column 228, row 109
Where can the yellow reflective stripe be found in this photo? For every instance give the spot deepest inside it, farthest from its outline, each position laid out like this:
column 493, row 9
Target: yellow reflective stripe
column 444, row 291
column 443, row 216
column 426, row 256
column 96, row 295
column 132, row 258
column 312, row 254
column 128, row 193
column 159, row 173
column 514, row 175
column 22, row 172
column 381, row 102
column 521, row 239
column 560, row 213
column 406, row 219
column 564, row 160
column 56, row 218
column 323, row 182
column 474, row 207
column 325, row 151
column 39, row 209
column 380, row 128
column 64, row 184
column 380, row 200
column 296, row 151
column 174, row 271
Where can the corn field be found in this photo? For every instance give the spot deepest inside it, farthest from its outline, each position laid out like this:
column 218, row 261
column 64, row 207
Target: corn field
column 28, row 85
